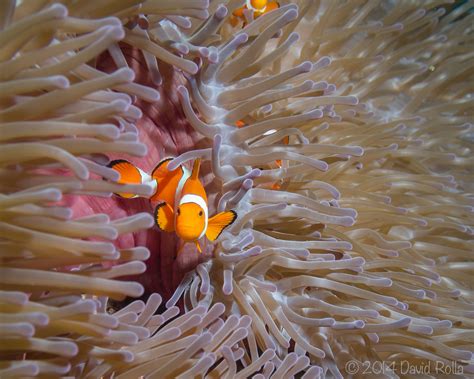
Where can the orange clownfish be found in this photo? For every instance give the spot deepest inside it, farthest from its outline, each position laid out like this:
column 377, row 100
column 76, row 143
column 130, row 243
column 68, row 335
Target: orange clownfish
column 279, row 163
column 286, row 140
column 259, row 7
column 182, row 200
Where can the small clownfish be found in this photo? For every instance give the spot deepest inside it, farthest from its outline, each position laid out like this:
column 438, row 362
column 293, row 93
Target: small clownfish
column 286, row 140
column 259, row 7
column 240, row 124
column 182, row 200
column 279, row 163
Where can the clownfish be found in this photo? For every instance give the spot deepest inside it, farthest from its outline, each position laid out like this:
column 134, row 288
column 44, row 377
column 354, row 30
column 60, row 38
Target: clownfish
column 182, row 200
column 259, row 7
column 286, row 140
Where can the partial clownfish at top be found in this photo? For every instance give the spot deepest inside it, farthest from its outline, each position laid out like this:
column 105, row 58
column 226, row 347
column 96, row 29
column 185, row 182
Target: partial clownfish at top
column 182, row 200
column 259, row 7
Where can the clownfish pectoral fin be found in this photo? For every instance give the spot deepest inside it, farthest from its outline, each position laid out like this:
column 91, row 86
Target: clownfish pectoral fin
column 164, row 217
column 198, row 247
column 218, row 223
column 234, row 21
column 129, row 174
column 239, row 12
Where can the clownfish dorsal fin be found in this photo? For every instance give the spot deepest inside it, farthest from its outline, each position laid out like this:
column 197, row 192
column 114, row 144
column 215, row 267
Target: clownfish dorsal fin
column 195, row 172
column 218, row 223
column 161, row 168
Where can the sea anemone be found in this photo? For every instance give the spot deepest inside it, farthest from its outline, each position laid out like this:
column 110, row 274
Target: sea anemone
column 338, row 131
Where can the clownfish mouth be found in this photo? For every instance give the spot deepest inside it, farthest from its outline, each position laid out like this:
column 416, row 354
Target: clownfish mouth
column 188, row 232
column 166, row 133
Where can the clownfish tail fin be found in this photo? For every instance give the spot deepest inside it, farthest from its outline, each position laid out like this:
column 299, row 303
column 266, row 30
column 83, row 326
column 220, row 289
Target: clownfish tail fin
column 196, row 166
column 129, row 174
column 218, row 223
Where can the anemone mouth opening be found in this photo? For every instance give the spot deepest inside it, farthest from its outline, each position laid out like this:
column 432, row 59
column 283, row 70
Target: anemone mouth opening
column 167, row 133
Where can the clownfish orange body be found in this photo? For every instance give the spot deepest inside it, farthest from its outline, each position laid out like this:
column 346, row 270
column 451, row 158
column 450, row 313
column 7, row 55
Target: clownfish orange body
column 182, row 200
column 259, row 7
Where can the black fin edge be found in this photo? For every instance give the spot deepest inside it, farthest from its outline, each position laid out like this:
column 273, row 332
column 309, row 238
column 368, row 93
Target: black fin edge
column 155, row 214
column 229, row 224
column 115, row 162
column 160, row 164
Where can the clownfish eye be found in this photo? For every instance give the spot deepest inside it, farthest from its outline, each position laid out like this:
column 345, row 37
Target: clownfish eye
column 200, row 213
column 179, row 211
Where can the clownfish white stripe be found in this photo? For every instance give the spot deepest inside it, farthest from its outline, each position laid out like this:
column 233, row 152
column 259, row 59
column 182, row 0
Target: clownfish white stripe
column 190, row 198
column 179, row 188
column 153, row 183
column 147, row 179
